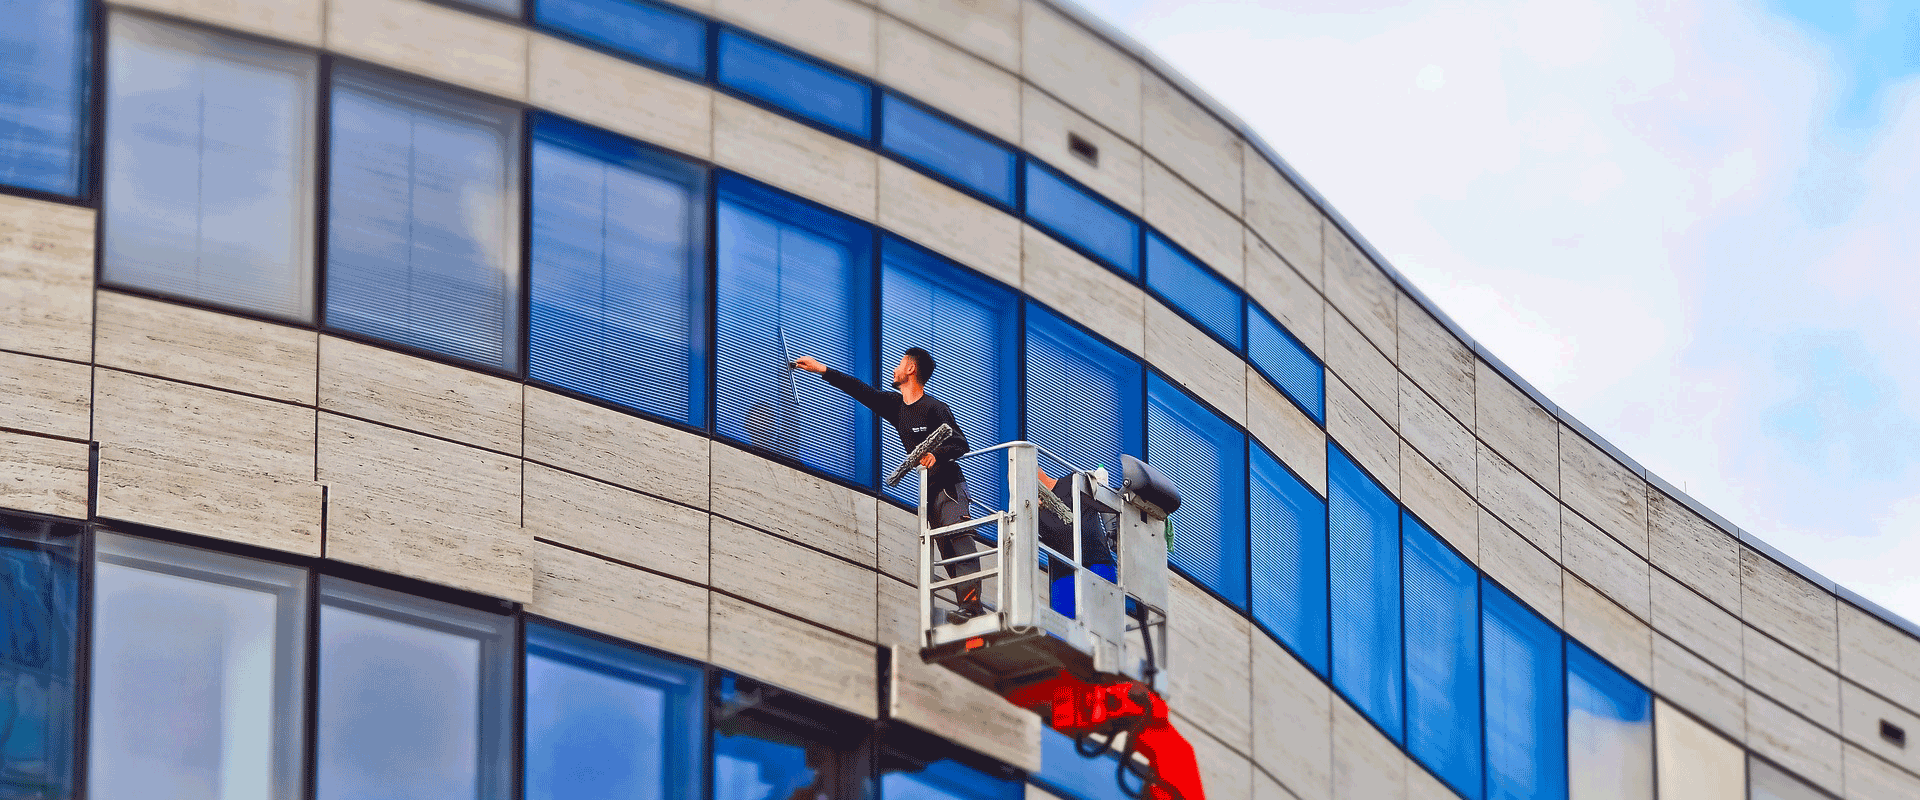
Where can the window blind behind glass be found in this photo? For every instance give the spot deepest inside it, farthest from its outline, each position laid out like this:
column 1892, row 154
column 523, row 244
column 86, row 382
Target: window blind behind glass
column 1288, row 530
column 1204, row 457
column 43, row 94
column 1083, row 397
column 1443, row 658
column 1525, row 726
column 1363, row 542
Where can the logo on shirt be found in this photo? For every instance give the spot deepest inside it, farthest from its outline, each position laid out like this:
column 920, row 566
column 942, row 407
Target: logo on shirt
column 921, row 429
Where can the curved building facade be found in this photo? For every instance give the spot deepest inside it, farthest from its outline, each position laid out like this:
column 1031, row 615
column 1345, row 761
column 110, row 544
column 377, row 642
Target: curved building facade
column 392, row 406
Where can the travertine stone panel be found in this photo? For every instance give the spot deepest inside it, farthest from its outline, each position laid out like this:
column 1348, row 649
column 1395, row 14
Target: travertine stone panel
column 1083, row 291
column 1792, row 679
column 207, row 462
column 415, row 394
column 1366, row 764
column 1520, row 502
column 1693, row 762
column 288, row 20
column 950, row 79
column 793, row 504
column 1519, row 428
column 839, row 31
column 1861, row 713
column 937, row 700
column 46, row 278
column 1880, row 657
column 1226, row 774
column 1871, row 778
column 1777, row 600
column 1607, row 629
column 897, row 614
column 950, row 222
column 1073, row 64
column 1363, row 367
column 988, row 28
column 1606, row 563
column 1044, row 126
column 1287, row 431
column 43, row 395
column 1264, row 788
column 1366, row 437
column 1709, row 693
column 631, row 604
column 899, row 541
column 616, row 447
column 813, row 164
column 1283, row 216
column 1211, row 683
column 1190, row 141
column 424, row 508
column 1701, row 626
column 1529, row 574
column 1792, row 742
column 617, row 523
column 206, row 347
column 1433, row 358
column 1362, row 292
column 772, row 571
column 1196, row 361
column 1603, row 490
column 1690, row 548
column 433, row 40
column 1190, row 220
column 620, row 96
column 1437, row 435
column 791, row 654
column 1034, row 792
column 1422, row 785
column 1438, row 503
column 1292, row 719
column 46, row 476
column 1281, row 290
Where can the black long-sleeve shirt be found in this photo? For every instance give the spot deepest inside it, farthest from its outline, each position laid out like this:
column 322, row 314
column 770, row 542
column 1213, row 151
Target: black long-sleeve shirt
column 913, row 421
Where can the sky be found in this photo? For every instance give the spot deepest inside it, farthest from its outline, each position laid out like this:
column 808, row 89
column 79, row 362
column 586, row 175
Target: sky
column 1693, row 224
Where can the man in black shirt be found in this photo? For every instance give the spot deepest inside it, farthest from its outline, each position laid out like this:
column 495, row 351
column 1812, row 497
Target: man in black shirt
column 914, row 414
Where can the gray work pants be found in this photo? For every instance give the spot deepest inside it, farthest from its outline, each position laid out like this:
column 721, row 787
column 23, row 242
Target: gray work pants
column 951, row 506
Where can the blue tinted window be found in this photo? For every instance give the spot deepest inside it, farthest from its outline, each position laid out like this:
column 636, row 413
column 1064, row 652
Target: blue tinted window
column 1363, row 544
column 1207, row 459
column 43, row 94
column 971, row 327
column 771, row 745
column 423, row 243
column 814, row 91
column 39, row 606
column 1083, row 219
column 1286, row 363
column 792, row 280
column 1070, row 776
column 617, row 297
column 1526, row 729
column 912, row 778
column 1289, row 532
column 604, row 720
column 645, row 31
column 1083, row 397
column 1443, row 658
column 966, row 158
column 1609, row 731
column 1194, row 289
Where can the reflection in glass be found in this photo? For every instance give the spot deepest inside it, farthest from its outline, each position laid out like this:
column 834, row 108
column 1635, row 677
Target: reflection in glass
column 1526, row 734
column 43, row 94
column 608, row 721
column 915, row 766
column 39, row 599
column 1609, row 731
column 768, row 745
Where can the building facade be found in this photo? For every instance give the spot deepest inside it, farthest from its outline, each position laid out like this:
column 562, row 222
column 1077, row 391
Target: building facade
column 391, row 406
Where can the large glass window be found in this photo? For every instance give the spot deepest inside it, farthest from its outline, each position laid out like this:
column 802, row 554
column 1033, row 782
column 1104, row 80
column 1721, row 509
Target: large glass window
column 209, row 169
column 1197, row 291
column 1289, row 532
column 971, row 326
column 1609, row 731
column 618, row 276
column 609, row 721
column 771, row 745
column 39, row 611
column 1363, row 545
column 793, row 280
column 1083, row 396
column 415, row 697
column 1083, row 219
column 655, row 34
column 424, row 219
column 916, row 766
column 1066, row 774
column 964, row 157
column 1286, row 363
column 198, row 673
column 1526, row 728
column 1693, row 761
column 44, row 48
column 798, row 84
column 1443, row 657
column 1207, row 459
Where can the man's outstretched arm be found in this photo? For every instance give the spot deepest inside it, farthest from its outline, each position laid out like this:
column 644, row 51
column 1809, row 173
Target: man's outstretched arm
column 854, row 387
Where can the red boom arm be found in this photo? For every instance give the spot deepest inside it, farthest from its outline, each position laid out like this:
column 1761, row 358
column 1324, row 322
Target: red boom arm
column 1079, row 708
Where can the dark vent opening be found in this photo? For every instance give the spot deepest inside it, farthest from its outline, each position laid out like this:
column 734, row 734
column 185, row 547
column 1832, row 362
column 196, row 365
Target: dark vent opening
column 1083, row 149
column 1893, row 733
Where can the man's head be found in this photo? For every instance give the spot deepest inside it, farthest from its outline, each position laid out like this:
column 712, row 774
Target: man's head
column 916, row 366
